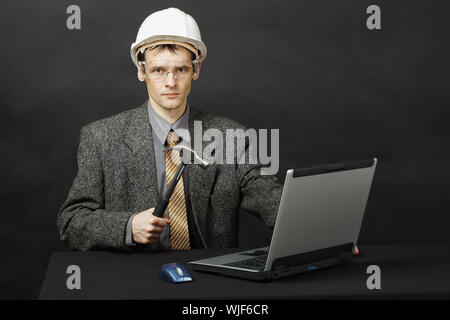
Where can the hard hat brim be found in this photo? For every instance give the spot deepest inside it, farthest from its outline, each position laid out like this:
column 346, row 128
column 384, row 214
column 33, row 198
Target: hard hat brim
column 199, row 45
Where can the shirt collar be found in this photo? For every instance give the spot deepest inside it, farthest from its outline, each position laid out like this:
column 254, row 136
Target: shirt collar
column 162, row 127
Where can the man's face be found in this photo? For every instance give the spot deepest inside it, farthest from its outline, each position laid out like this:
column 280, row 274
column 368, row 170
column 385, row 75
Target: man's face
column 167, row 87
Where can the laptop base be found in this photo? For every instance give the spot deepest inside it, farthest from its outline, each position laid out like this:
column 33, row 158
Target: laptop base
column 277, row 273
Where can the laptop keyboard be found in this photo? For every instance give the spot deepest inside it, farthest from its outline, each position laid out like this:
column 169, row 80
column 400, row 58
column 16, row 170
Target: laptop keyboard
column 257, row 263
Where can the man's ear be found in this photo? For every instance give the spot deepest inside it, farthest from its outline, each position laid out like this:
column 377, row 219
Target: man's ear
column 199, row 65
column 140, row 75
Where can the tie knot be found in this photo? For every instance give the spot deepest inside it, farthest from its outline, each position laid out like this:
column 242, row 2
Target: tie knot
column 172, row 139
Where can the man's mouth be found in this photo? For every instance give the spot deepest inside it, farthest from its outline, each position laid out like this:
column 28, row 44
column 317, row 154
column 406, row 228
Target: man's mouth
column 171, row 95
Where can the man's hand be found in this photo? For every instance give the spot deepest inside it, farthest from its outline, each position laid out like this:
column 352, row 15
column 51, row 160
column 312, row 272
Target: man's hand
column 146, row 228
column 356, row 252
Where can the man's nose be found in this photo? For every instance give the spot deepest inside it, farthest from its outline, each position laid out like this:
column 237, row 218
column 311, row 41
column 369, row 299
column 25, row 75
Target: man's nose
column 170, row 79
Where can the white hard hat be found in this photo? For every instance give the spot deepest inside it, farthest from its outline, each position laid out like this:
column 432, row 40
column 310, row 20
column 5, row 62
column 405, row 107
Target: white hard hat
column 169, row 26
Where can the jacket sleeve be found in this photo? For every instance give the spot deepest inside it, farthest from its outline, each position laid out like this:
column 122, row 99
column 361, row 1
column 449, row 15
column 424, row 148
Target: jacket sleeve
column 83, row 223
column 260, row 194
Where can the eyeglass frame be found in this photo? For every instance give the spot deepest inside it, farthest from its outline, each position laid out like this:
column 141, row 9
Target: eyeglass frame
column 194, row 64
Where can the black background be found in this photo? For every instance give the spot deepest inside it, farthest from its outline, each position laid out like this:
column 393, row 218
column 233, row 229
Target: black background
column 336, row 90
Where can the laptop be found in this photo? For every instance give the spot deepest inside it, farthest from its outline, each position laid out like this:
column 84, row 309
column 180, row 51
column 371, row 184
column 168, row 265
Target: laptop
column 317, row 224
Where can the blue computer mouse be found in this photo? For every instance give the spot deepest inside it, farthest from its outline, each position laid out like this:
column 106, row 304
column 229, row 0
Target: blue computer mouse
column 175, row 273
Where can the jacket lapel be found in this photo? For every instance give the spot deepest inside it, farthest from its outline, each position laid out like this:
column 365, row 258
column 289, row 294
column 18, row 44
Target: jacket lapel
column 142, row 167
column 201, row 180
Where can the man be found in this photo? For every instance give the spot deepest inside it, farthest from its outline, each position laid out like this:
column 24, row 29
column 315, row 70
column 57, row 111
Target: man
column 123, row 170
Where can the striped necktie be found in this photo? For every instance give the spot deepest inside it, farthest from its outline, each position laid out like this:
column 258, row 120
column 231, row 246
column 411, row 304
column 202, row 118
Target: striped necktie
column 179, row 231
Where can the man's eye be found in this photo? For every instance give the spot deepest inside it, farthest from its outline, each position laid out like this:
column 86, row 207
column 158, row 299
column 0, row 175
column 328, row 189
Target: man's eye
column 157, row 70
column 181, row 70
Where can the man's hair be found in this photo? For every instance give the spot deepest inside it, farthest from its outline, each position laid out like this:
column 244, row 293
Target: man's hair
column 171, row 47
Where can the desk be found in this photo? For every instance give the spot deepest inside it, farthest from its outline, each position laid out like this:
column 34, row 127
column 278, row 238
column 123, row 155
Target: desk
column 407, row 271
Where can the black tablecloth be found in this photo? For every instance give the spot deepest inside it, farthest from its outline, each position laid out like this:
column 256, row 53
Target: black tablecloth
column 407, row 271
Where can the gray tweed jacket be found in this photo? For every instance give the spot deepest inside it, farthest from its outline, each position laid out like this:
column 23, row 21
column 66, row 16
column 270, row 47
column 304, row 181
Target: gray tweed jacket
column 117, row 177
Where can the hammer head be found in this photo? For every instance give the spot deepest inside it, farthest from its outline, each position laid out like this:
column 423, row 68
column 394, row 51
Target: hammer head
column 203, row 163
